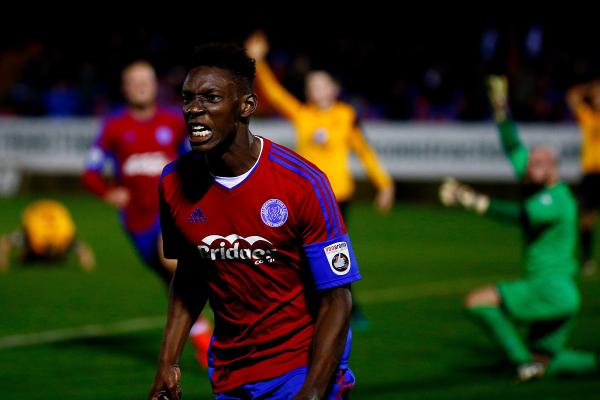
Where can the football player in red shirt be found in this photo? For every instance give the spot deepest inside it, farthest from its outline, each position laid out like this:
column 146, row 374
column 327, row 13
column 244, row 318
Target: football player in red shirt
column 140, row 139
column 258, row 234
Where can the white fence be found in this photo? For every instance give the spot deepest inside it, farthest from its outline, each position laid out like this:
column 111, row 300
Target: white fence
column 410, row 151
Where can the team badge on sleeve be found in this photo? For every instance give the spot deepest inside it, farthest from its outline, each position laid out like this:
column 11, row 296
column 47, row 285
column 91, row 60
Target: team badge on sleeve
column 274, row 213
column 338, row 257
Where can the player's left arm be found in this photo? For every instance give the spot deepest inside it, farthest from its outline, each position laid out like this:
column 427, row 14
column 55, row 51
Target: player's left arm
column 375, row 170
column 516, row 152
column 329, row 340
column 333, row 268
column 453, row 193
column 576, row 96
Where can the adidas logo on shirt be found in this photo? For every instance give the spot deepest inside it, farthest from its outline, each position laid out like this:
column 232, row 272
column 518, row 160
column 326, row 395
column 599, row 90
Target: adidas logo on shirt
column 197, row 216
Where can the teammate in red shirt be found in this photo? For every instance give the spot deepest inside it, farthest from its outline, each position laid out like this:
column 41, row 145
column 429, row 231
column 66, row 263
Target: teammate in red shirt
column 258, row 234
column 140, row 139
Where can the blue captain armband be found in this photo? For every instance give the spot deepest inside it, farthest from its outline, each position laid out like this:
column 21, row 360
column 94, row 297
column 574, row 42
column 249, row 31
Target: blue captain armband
column 332, row 262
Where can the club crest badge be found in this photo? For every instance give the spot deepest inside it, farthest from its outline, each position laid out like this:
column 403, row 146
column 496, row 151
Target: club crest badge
column 164, row 135
column 274, row 213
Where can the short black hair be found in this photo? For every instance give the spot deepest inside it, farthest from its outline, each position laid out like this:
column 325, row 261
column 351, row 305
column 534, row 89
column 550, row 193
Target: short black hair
column 227, row 56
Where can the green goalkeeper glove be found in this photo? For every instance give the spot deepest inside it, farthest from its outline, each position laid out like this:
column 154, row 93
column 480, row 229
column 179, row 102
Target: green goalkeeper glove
column 453, row 193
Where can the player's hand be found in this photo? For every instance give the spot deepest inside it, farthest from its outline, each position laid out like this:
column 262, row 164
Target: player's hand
column 117, row 197
column 385, row 199
column 86, row 257
column 4, row 263
column 257, row 46
column 306, row 394
column 453, row 193
column 166, row 384
column 497, row 88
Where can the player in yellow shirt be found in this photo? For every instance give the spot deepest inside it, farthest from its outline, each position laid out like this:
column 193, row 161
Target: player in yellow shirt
column 326, row 128
column 327, row 132
column 584, row 101
column 47, row 234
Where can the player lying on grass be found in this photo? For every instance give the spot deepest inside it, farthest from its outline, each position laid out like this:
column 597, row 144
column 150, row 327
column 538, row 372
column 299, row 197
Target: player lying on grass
column 47, row 234
column 547, row 297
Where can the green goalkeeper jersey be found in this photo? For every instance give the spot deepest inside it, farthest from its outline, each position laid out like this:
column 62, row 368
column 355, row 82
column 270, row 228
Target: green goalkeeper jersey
column 548, row 217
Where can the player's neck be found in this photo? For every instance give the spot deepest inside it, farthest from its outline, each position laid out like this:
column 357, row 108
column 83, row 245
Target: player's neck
column 553, row 181
column 142, row 113
column 238, row 158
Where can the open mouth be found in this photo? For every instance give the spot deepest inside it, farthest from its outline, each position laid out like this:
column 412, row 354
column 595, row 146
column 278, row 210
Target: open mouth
column 200, row 133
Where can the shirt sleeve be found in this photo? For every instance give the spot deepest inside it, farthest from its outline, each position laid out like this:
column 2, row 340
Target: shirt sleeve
column 326, row 243
column 583, row 112
column 98, row 155
column 513, row 147
column 280, row 98
column 505, row 210
column 367, row 156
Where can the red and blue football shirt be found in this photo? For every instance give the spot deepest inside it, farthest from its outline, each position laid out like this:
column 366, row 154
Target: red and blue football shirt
column 266, row 247
column 139, row 150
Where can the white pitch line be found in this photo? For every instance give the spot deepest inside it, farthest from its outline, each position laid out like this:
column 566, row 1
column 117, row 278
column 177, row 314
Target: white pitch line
column 81, row 332
column 373, row 296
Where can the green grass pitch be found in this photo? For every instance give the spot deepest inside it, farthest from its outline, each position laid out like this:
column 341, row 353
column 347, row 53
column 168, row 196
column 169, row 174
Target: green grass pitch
column 417, row 264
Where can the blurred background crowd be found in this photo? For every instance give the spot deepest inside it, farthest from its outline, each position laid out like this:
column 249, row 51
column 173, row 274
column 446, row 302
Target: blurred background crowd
column 424, row 70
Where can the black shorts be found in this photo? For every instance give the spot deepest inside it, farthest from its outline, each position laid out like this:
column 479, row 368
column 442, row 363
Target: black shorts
column 589, row 192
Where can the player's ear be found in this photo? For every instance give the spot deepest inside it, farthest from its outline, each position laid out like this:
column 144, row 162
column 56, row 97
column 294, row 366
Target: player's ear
column 249, row 104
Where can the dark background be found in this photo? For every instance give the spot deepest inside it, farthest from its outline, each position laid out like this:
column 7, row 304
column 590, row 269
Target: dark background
column 427, row 64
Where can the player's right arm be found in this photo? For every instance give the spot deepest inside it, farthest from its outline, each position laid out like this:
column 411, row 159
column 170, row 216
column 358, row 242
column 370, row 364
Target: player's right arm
column 509, row 134
column 85, row 255
column 92, row 178
column 257, row 47
column 7, row 243
column 187, row 297
column 5, row 248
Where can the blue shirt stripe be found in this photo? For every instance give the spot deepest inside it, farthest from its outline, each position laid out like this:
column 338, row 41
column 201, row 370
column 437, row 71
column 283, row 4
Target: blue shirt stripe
column 298, row 171
column 326, row 189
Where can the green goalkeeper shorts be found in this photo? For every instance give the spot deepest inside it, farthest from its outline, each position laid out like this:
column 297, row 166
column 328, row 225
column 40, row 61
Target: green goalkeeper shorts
column 540, row 299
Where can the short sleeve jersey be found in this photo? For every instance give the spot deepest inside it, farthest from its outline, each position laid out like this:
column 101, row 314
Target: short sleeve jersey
column 266, row 247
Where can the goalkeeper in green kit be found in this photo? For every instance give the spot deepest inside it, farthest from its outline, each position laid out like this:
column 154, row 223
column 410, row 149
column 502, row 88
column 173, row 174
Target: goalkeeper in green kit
column 547, row 298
